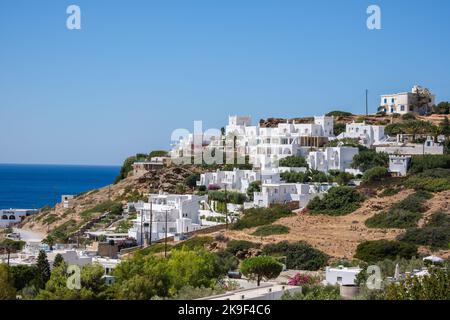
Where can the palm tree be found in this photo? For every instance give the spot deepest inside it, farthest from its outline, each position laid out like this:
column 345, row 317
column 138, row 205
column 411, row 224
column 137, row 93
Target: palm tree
column 50, row 241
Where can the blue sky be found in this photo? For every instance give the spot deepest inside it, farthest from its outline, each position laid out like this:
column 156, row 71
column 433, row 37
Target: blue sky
column 139, row 69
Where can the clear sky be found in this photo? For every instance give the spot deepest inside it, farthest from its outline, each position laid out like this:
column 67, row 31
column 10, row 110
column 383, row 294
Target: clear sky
column 139, row 69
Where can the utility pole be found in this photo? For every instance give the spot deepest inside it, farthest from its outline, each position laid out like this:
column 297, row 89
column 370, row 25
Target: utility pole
column 165, row 239
column 151, row 219
column 226, row 209
column 367, row 102
column 142, row 229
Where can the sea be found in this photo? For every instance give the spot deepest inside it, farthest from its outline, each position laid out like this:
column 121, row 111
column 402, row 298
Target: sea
column 25, row 186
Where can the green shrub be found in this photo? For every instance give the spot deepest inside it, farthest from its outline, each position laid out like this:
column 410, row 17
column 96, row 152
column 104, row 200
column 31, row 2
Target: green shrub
column 299, row 255
column 413, row 202
column 270, row 230
column 425, row 162
column 389, row 192
column 229, row 196
column 195, row 242
column 256, row 217
column 435, row 233
column 114, row 208
column 293, row 161
column 295, row 177
column 432, row 180
column 373, row 251
column 368, row 159
column 315, row 292
column 234, row 246
column 338, row 201
column 375, row 174
column 338, row 113
column 403, row 214
column 398, row 219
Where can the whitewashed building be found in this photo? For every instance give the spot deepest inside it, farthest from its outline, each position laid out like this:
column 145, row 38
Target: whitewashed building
column 182, row 212
column 282, row 193
column 331, row 158
column 341, row 275
column 236, row 180
column 406, row 102
column 67, row 201
column 9, row 217
column 367, row 135
column 399, row 148
column 399, row 164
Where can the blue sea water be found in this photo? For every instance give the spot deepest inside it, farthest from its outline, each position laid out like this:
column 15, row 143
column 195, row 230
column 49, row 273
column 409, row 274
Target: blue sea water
column 34, row 186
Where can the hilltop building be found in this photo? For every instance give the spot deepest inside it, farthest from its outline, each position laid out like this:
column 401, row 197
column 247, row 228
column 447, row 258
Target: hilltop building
column 419, row 100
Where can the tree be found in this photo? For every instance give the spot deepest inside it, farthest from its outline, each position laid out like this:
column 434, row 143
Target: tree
column 445, row 127
column 368, row 159
column 377, row 250
column 43, row 269
column 58, row 260
column 7, row 290
column 434, row 286
column 260, row 268
column 343, row 178
column 254, row 186
column 375, row 174
column 50, row 241
column 337, row 201
column 293, row 161
column 23, row 275
column 191, row 180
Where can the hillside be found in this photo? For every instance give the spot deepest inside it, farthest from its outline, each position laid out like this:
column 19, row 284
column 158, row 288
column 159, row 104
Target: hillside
column 129, row 189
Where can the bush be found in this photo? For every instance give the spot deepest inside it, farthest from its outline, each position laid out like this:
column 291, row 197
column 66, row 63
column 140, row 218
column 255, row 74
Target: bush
column 315, row 292
column 338, row 201
column 270, row 230
column 256, row 217
column 403, row 214
column 432, row 180
column 399, row 219
column 229, row 196
column 389, row 192
column 373, row 251
column 114, row 208
column 193, row 243
column 375, row 174
column 299, row 255
column 435, row 233
column 234, row 246
column 293, row 161
column 295, row 177
column 423, row 163
column 368, row 159
column 338, row 113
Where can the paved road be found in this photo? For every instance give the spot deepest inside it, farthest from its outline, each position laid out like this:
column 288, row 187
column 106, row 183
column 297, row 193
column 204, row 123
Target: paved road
column 29, row 236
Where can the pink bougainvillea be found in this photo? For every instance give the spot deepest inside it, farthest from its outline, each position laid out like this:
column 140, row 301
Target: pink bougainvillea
column 300, row 279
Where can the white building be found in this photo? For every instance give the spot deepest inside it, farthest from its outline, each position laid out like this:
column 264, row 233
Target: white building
column 67, row 201
column 332, row 158
column 406, row 102
column 240, row 180
column 9, row 217
column 367, row 135
column 399, row 164
column 341, row 275
column 399, row 148
column 282, row 193
column 182, row 212
column 265, row 146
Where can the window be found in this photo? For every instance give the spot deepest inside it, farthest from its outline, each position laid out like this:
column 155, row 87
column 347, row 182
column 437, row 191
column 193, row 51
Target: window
column 385, row 100
column 12, row 217
column 402, row 108
column 392, row 110
column 5, row 217
column 392, row 100
column 339, row 279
